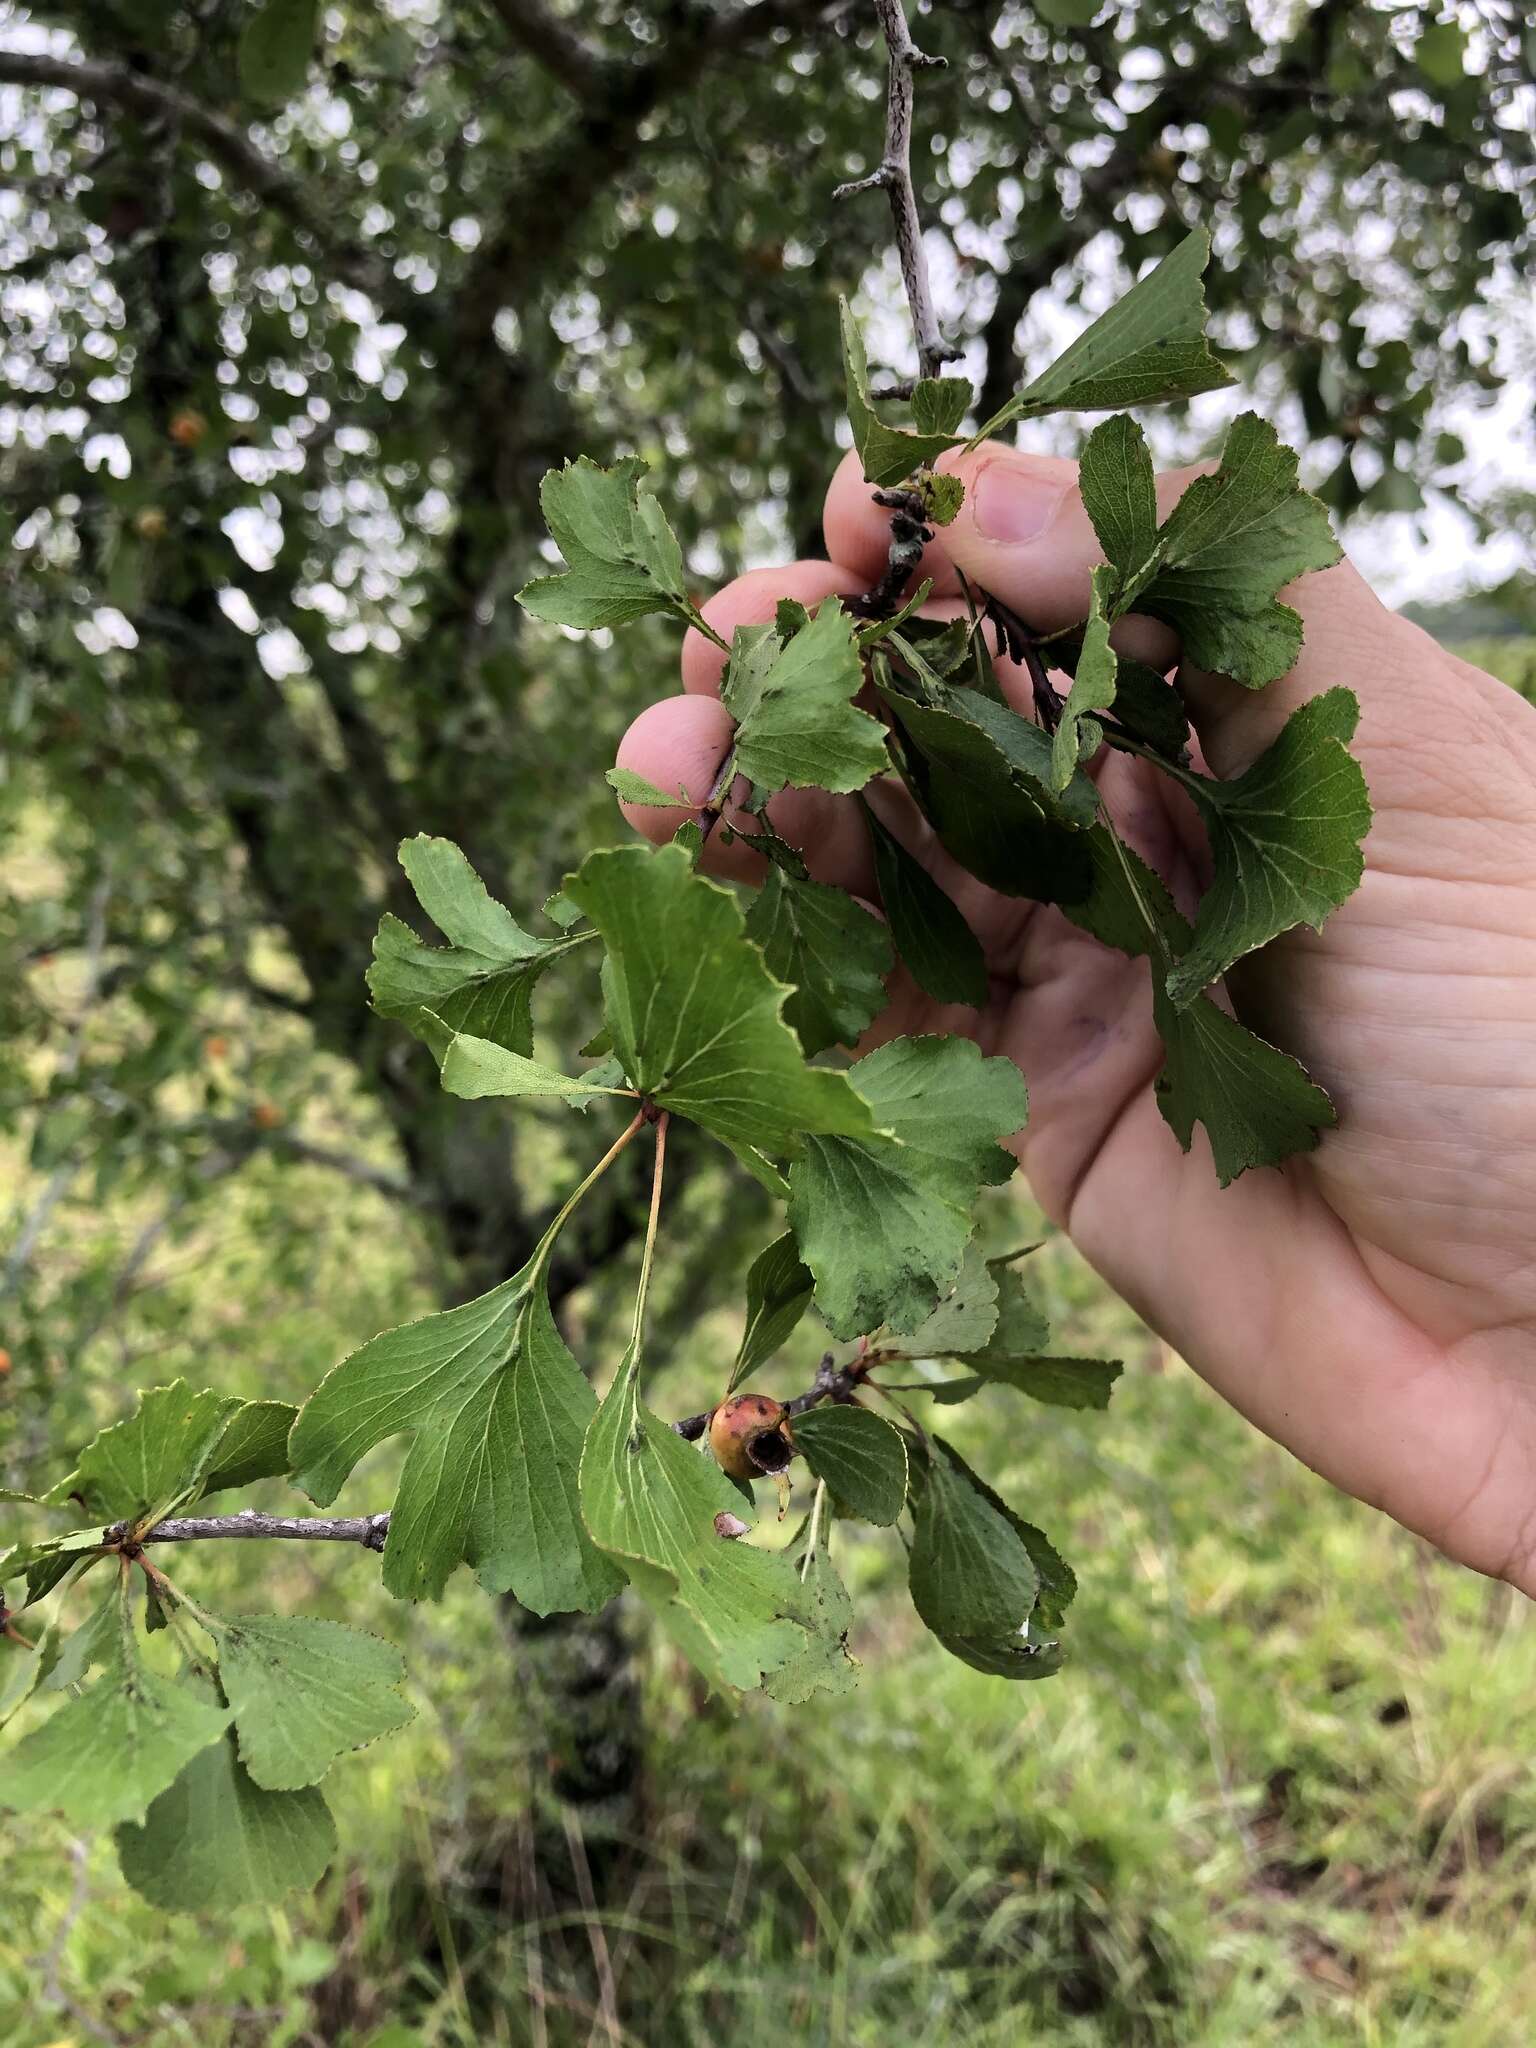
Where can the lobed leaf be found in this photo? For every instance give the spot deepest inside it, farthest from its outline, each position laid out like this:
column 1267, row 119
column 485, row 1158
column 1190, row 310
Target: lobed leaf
column 303, row 1692
column 475, row 1067
column 157, row 1456
column 976, row 789
column 860, row 1456
column 482, row 981
column 888, row 453
column 822, row 1663
column 933, row 940
column 651, row 1502
column 696, row 1017
column 110, row 1751
column 497, row 1409
column 1078, row 736
column 1148, row 348
column 1233, row 541
column 883, row 1220
column 790, row 689
column 963, row 1321
column 833, row 954
column 254, row 1446
column 1286, row 838
column 983, row 1580
column 214, row 1839
column 622, row 558
column 1257, row 1104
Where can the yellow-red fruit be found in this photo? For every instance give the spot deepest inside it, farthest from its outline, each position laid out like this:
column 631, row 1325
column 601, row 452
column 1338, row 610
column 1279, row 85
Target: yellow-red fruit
column 5, row 1361
column 187, row 428
column 749, row 1436
column 216, row 1047
column 151, row 523
column 266, row 1116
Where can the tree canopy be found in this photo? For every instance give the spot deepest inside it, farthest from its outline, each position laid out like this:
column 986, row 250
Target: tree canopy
column 304, row 301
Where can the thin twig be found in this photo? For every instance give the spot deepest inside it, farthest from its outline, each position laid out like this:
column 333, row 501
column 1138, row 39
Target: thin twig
column 894, row 177
column 248, row 1525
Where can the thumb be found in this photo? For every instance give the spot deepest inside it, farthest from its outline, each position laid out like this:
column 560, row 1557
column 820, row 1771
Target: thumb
column 1023, row 534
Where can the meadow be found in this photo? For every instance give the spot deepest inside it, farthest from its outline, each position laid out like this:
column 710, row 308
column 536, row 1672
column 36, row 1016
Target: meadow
column 1279, row 1793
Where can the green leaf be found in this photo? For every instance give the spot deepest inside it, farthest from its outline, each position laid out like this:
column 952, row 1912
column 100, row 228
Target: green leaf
column 1119, row 492
column 883, row 1221
column 984, row 1581
column 834, row 955
column 1020, row 1330
column 970, row 1573
column 254, row 1446
column 790, row 694
column 634, row 789
column 1011, row 835
column 1257, row 1104
column 657, row 549
column 1285, row 840
column 1231, row 543
column 474, row 1067
column 1078, row 736
column 156, row 1457
column 942, row 498
column 275, row 48
column 1151, row 709
column 860, row 1456
column 1067, row 13
column 941, row 952
column 215, row 1840
column 622, row 558
column 1148, row 348
column 1128, row 906
column 888, row 454
column 22, row 1670
column 304, row 1692
column 106, row 1754
column 482, row 981
column 497, row 1409
column 779, row 1292
column 822, row 1664
column 651, row 1501
column 963, row 1321
column 875, row 630
column 1058, row 1382
column 939, row 404
column 694, row 1012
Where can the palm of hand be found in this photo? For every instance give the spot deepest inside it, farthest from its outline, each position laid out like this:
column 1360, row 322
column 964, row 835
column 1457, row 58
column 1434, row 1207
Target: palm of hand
column 1373, row 1306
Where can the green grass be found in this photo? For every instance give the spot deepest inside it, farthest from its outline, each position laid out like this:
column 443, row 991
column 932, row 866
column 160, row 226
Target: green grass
column 1279, row 1794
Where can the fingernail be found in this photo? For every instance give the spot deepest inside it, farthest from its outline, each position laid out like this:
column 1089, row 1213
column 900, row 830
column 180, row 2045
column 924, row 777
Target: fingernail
column 1014, row 503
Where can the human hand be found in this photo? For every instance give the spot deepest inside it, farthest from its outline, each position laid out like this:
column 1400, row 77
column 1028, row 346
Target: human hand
column 1371, row 1305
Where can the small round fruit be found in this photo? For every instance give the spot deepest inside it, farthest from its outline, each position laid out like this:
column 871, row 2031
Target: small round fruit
column 151, row 523
column 187, row 428
column 5, row 1361
column 749, row 1436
